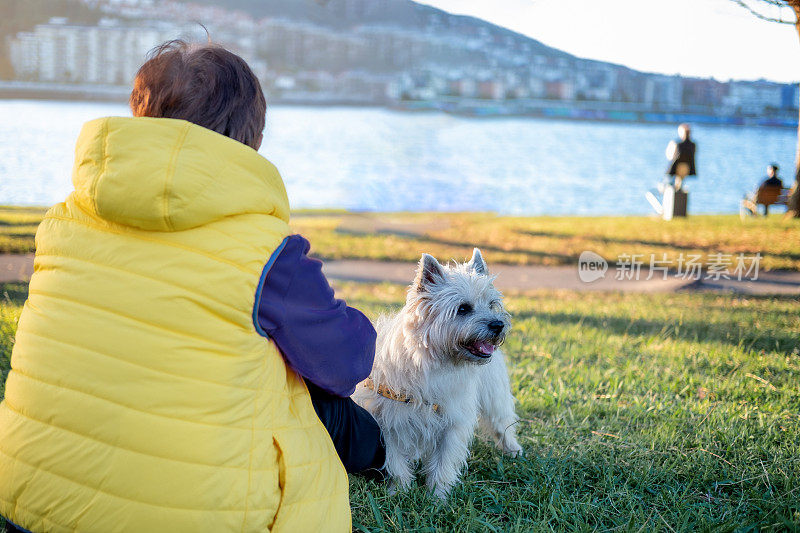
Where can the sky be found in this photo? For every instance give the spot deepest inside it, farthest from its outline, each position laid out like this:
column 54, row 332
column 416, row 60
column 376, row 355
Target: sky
column 698, row 38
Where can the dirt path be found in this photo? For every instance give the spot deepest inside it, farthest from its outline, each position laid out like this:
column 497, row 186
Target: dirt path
column 509, row 277
column 14, row 267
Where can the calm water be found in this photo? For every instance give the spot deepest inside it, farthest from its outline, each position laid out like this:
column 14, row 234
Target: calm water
column 376, row 159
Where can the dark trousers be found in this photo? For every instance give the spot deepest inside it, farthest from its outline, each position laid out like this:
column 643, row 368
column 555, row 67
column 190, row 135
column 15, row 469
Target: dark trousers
column 10, row 528
column 355, row 434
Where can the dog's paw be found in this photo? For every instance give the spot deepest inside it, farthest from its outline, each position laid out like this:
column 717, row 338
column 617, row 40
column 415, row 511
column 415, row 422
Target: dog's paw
column 440, row 487
column 441, row 493
column 511, row 448
column 396, row 486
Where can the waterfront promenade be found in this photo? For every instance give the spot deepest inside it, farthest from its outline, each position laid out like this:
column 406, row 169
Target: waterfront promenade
column 586, row 110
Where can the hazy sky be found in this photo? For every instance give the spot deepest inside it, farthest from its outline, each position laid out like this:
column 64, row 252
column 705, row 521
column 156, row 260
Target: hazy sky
column 705, row 38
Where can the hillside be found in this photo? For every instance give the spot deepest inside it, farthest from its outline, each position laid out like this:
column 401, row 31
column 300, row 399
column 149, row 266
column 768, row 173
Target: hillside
column 346, row 14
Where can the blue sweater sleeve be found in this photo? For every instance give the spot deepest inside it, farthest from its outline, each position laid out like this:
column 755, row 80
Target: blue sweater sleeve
column 325, row 341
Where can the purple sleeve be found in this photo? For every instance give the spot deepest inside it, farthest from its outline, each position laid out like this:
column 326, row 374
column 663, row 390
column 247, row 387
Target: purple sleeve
column 325, row 341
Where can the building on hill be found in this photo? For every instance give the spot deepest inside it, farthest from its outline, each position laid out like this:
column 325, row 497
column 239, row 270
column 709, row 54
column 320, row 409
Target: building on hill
column 663, row 92
column 703, row 92
column 754, row 98
column 107, row 53
column 630, row 86
column 790, row 96
column 376, row 50
column 596, row 82
column 560, row 90
column 391, row 49
column 297, row 46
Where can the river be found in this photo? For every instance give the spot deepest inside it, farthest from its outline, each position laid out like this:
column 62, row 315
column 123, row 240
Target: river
column 381, row 160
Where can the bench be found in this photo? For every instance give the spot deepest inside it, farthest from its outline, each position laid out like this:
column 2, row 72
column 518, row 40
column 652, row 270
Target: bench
column 765, row 196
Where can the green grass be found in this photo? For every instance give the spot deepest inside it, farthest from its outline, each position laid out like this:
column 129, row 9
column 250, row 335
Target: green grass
column 640, row 412
column 18, row 228
column 12, row 296
column 547, row 240
column 337, row 234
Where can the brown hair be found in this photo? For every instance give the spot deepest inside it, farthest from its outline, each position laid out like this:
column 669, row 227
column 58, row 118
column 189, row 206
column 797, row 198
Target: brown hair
column 204, row 84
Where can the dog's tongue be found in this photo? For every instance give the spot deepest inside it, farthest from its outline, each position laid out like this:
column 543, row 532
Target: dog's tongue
column 484, row 347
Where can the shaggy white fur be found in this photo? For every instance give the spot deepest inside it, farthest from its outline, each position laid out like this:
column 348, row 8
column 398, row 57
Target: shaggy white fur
column 441, row 349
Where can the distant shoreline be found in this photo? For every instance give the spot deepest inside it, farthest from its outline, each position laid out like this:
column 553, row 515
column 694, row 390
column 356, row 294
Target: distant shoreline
column 590, row 111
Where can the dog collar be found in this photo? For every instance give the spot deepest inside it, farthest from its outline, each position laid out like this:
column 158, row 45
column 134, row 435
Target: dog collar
column 386, row 392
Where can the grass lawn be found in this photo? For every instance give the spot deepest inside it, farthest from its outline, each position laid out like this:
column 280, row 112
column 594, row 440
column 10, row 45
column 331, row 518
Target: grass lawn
column 547, row 240
column 640, row 412
column 509, row 240
column 18, row 227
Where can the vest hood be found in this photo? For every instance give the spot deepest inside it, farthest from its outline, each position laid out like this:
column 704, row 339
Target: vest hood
column 164, row 174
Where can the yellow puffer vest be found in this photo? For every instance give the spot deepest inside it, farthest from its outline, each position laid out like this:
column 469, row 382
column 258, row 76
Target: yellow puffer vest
column 141, row 398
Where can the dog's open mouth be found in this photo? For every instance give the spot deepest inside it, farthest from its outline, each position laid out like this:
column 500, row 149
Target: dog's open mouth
column 481, row 349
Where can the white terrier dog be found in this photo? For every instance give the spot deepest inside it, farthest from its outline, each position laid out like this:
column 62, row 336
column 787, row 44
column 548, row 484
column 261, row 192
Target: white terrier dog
column 438, row 374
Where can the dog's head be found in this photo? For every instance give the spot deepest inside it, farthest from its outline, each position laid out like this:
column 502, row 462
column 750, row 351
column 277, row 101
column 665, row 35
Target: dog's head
column 456, row 311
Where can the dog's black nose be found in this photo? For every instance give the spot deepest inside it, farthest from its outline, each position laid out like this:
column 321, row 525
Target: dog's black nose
column 496, row 326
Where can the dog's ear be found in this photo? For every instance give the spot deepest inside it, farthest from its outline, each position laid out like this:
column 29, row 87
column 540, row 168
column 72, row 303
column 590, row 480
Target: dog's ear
column 429, row 272
column 477, row 264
